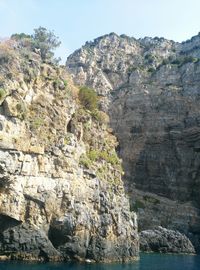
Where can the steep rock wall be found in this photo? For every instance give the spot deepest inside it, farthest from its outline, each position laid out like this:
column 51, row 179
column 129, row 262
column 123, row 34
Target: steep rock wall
column 151, row 89
column 55, row 202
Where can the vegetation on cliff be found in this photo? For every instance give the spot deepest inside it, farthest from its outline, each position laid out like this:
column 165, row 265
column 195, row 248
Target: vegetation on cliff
column 150, row 87
column 42, row 41
column 61, row 192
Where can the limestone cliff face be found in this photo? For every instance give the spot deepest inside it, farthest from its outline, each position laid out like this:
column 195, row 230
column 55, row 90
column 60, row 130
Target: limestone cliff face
column 151, row 89
column 59, row 198
column 165, row 241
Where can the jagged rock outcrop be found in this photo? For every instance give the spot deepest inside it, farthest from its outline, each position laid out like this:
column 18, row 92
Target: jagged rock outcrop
column 165, row 241
column 61, row 193
column 151, row 89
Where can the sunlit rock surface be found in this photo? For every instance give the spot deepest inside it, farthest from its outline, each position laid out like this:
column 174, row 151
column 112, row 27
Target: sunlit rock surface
column 151, row 89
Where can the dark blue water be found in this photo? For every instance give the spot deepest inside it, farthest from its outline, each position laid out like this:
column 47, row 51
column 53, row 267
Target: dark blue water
column 147, row 262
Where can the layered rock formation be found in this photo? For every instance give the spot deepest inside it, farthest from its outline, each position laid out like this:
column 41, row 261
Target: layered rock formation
column 60, row 199
column 151, row 89
column 165, row 241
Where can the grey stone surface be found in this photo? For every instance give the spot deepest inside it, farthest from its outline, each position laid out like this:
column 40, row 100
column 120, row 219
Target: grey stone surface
column 56, row 203
column 165, row 241
column 151, row 89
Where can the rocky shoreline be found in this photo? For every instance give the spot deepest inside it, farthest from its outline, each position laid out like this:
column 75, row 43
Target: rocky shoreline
column 162, row 240
column 63, row 193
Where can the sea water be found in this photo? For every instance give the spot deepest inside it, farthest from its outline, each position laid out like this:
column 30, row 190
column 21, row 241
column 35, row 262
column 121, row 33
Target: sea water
column 147, row 262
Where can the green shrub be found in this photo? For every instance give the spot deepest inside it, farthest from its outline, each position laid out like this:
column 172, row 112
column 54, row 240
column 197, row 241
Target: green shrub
column 113, row 159
column 165, row 62
column 2, row 93
column 100, row 116
column 169, row 84
column 176, row 62
column 131, row 69
column 37, row 123
column 150, row 58
column 85, row 161
column 67, row 139
column 189, row 59
column 65, row 83
column 151, row 70
column 150, row 199
column 184, row 60
column 93, row 155
column 21, row 109
column 88, row 98
column 42, row 41
column 110, row 157
column 20, row 36
column 137, row 205
column 56, row 84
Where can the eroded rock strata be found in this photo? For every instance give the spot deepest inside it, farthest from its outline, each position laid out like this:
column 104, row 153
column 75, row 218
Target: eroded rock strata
column 57, row 202
column 151, row 89
column 165, row 241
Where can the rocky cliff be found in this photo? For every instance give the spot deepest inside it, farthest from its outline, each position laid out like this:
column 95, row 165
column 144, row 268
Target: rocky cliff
column 165, row 241
column 151, row 89
column 61, row 193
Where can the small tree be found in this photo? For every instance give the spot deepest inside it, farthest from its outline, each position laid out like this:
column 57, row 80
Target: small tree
column 42, row 40
column 88, row 98
column 45, row 41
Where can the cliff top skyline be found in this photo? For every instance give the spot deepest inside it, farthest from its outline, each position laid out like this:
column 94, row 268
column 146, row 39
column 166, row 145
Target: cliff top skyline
column 76, row 22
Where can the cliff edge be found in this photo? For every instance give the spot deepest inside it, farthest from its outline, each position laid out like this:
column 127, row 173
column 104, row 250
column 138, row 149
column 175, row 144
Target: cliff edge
column 61, row 193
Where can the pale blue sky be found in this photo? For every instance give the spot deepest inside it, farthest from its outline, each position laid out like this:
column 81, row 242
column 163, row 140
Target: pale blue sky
column 76, row 21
